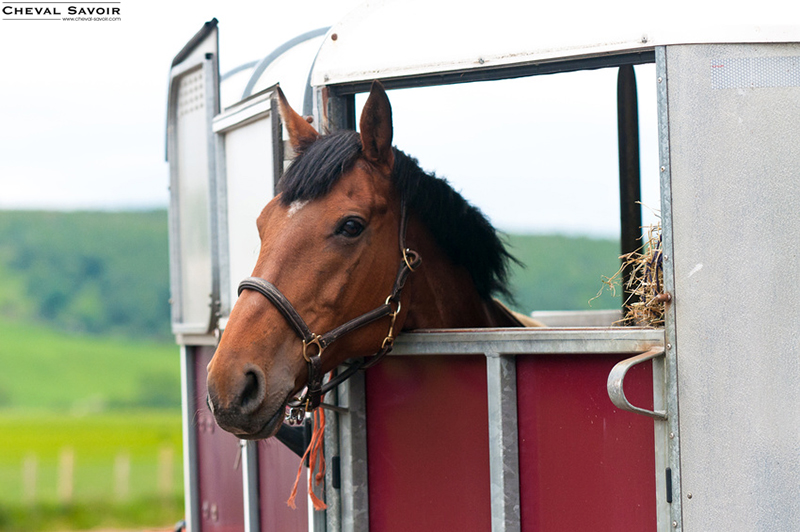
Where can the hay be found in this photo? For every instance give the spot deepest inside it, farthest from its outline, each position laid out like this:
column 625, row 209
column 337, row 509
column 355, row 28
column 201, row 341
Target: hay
column 645, row 306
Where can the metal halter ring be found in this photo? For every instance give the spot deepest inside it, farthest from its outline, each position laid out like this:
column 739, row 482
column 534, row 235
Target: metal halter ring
column 406, row 251
column 389, row 340
column 313, row 341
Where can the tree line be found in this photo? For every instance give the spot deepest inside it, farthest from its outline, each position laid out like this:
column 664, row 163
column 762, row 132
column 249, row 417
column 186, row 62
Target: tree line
column 88, row 272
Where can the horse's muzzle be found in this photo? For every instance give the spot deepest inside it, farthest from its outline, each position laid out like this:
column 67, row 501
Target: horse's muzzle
column 243, row 409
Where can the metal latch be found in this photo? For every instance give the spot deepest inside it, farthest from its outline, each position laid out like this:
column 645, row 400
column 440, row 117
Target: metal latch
column 616, row 381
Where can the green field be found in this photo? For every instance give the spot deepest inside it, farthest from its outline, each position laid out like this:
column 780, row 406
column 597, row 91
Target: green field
column 562, row 272
column 106, row 408
column 146, row 440
column 44, row 369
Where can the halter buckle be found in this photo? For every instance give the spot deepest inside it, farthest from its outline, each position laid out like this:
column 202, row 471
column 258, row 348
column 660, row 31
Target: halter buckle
column 388, row 342
column 313, row 341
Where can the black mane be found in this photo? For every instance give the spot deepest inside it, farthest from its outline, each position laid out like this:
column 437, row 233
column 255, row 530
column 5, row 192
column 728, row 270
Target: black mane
column 460, row 229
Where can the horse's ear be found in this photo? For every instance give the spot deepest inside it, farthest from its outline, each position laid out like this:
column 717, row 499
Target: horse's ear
column 376, row 128
column 301, row 133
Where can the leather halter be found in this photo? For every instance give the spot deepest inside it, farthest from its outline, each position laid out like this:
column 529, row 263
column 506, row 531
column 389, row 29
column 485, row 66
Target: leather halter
column 314, row 388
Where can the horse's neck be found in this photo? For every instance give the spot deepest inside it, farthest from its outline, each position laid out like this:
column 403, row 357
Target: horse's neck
column 444, row 296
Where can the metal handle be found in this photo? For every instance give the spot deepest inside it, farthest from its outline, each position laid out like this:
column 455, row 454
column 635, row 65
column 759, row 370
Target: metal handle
column 616, row 381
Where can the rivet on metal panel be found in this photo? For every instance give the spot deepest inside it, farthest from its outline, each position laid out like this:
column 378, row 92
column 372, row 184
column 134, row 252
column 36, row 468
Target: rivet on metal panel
column 663, row 168
column 310, row 119
column 481, row 61
column 644, row 38
column 334, row 36
column 669, row 346
column 659, row 79
column 674, row 524
column 671, row 435
column 688, row 495
column 665, row 297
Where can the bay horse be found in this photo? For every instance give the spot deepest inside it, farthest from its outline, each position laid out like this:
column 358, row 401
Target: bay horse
column 335, row 242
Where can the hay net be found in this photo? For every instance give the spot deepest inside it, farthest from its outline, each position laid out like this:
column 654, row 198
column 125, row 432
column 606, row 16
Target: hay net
column 645, row 305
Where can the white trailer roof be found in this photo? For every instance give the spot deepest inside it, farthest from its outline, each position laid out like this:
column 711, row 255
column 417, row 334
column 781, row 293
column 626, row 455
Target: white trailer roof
column 409, row 38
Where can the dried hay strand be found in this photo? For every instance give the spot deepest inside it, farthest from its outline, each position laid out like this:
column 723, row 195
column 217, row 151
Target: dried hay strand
column 646, row 301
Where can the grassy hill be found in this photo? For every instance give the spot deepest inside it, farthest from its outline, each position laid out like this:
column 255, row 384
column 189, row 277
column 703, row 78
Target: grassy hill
column 562, row 273
column 95, row 272
column 44, row 369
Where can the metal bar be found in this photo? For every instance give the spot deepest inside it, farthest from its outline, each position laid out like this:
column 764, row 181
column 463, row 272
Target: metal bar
column 675, row 519
column 630, row 209
column 190, row 465
column 353, row 447
column 211, row 79
column 277, row 145
column 176, row 303
column 332, row 458
column 529, row 341
column 493, row 74
column 288, row 45
column 252, row 510
column 238, row 69
column 501, row 376
column 616, row 383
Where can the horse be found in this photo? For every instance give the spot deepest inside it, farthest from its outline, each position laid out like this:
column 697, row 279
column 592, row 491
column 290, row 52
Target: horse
column 342, row 245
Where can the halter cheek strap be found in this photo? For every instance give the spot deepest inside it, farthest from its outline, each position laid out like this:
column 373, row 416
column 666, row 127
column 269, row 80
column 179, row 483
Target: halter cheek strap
column 314, row 345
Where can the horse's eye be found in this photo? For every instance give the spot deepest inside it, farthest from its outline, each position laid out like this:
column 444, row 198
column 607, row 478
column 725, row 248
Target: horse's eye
column 351, row 228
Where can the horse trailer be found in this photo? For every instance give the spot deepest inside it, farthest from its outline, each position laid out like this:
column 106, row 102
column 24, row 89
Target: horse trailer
column 692, row 425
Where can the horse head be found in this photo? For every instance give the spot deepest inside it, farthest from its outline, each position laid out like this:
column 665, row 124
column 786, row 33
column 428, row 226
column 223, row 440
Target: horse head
column 333, row 262
column 329, row 243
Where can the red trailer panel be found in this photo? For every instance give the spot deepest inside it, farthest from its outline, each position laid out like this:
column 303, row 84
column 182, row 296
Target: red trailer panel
column 584, row 464
column 277, row 470
column 219, row 470
column 428, row 450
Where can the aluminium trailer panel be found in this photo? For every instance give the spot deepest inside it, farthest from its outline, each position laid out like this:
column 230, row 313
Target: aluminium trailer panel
column 731, row 184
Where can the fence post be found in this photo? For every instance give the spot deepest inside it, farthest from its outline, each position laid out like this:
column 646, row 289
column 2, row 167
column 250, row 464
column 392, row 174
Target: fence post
column 29, row 467
column 66, row 473
column 165, row 467
column 122, row 475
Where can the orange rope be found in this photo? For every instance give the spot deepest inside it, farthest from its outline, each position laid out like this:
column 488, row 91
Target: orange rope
column 315, row 448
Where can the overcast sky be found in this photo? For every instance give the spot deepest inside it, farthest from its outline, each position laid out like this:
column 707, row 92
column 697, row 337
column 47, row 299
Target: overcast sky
column 83, row 104
column 83, row 112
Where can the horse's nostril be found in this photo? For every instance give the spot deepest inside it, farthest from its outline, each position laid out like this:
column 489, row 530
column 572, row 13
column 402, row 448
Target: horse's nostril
column 252, row 393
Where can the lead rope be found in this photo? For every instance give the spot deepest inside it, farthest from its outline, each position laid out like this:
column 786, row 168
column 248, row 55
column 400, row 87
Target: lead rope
column 316, row 455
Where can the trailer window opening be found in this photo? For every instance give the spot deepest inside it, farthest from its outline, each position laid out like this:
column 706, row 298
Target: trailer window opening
column 539, row 156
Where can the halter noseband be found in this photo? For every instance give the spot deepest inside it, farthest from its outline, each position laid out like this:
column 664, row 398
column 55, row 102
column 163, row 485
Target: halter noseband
column 314, row 388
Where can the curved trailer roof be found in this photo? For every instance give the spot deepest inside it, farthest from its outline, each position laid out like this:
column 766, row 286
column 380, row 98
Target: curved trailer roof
column 406, row 43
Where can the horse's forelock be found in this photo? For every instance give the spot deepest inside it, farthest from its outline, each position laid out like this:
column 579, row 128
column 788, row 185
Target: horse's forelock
column 319, row 166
